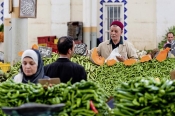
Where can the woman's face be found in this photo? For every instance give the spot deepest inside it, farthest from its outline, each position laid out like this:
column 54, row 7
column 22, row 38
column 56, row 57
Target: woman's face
column 29, row 66
column 115, row 32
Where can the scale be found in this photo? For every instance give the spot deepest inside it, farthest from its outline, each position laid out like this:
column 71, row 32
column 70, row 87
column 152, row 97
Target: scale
column 33, row 109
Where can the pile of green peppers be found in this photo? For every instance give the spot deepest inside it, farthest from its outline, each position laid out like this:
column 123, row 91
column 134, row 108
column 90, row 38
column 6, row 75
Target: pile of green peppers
column 110, row 77
column 145, row 97
column 81, row 99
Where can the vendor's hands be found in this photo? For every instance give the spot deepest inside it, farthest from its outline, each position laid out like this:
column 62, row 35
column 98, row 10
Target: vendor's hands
column 120, row 58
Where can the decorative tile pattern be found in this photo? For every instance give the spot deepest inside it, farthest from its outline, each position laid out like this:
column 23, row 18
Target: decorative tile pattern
column 101, row 16
column 1, row 13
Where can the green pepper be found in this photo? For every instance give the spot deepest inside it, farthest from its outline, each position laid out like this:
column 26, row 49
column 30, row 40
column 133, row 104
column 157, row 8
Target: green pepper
column 78, row 102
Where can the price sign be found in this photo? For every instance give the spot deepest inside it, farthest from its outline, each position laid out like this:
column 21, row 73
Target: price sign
column 45, row 51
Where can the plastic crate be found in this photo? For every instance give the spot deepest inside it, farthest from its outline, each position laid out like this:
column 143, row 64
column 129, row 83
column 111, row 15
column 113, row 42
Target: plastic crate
column 51, row 40
column 5, row 67
column 55, row 50
column 54, row 46
column 43, row 39
column 44, row 45
column 77, row 41
column 49, row 44
column 56, row 41
column 46, row 39
column 52, row 37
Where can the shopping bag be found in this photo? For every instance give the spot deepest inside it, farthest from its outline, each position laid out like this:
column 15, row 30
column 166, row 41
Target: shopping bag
column 113, row 55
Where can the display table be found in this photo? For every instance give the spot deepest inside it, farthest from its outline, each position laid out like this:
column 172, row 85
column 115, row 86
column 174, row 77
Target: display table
column 33, row 109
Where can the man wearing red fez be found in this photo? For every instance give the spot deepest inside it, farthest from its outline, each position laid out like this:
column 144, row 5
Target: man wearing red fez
column 125, row 48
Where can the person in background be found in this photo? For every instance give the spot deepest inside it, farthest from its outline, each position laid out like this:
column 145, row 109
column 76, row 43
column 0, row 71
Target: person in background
column 170, row 44
column 170, row 39
column 32, row 68
column 63, row 68
column 125, row 48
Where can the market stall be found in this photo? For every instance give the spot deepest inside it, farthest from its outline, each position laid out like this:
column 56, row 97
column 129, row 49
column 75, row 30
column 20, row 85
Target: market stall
column 81, row 98
column 90, row 97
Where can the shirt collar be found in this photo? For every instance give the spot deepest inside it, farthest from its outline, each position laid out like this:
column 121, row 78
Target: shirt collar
column 62, row 60
column 120, row 42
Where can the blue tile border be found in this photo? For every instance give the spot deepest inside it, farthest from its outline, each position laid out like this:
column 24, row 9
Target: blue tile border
column 2, row 12
column 2, row 4
column 101, row 16
column 2, row 18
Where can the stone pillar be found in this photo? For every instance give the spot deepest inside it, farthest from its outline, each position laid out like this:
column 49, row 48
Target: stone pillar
column 19, row 38
column 7, row 33
column 1, row 22
column 87, row 22
column 94, row 23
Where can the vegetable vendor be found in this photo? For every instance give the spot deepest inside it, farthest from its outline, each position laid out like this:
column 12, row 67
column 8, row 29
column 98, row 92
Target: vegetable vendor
column 125, row 48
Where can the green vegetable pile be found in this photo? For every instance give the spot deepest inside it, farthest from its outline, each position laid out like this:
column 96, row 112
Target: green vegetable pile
column 77, row 97
column 2, row 76
column 2, row 28
column 145, row 97
column 104, row 77
column 111, row 77
column 13, row 70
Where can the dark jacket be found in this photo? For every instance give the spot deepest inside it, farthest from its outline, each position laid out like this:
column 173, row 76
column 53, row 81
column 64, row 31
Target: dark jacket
column 64, row 69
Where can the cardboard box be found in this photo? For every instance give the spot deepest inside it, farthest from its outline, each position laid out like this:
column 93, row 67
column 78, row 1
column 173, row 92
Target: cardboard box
column 49, row 81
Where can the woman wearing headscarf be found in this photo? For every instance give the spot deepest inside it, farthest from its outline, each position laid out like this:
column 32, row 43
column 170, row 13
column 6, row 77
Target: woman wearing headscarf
column 31, row 69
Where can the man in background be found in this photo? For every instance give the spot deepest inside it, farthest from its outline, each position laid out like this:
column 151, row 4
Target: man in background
column 170, row 44
column 63, row 68
column 170, row 39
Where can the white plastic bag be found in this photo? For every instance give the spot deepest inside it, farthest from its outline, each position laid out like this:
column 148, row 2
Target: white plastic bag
column 113, row 55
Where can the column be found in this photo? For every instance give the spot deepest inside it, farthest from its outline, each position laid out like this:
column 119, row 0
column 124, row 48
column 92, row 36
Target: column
column 94, row 23
column 86, row 22
column 7, row 32
column 19, row 39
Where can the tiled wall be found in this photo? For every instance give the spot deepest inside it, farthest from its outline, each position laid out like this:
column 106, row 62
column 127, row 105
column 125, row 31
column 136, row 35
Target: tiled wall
column 101, row 16
column 1, row 12
column 1, row 21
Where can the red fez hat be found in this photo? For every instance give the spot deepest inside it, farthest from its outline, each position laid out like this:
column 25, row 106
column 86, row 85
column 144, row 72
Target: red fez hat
column 118, row 23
